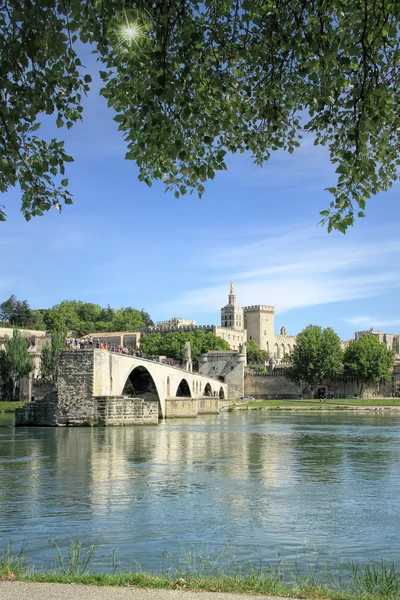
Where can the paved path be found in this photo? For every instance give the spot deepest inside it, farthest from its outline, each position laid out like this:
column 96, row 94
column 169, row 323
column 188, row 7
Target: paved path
column 17, row 590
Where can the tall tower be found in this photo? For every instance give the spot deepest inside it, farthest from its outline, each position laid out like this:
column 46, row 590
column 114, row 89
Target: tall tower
column 259, row 322
column 231, row 314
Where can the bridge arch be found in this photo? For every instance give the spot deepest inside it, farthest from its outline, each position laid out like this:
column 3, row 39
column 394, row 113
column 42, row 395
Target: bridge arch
column 221, row 394
column 183, row 389
column 208, row 390
column 140, row 384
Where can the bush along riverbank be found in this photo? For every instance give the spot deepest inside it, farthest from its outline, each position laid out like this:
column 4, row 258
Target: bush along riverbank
column 219, row 573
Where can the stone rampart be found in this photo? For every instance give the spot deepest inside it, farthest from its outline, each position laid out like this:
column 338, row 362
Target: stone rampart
column 281, row 337
column 268, row 387
column 259, row 307
column 172, row 328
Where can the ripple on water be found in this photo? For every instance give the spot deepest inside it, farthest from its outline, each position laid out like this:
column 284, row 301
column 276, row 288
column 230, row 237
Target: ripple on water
column 323, row 486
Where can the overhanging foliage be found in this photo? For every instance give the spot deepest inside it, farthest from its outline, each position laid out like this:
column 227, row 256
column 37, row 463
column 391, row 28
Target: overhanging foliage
column 192, row 82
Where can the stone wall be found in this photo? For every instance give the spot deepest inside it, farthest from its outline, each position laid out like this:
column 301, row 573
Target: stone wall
column 270, row 386
column 42, row 387
column 181, row 407
column 227, row 366
column 43, row 413
column 120, row 410
column 209, row 406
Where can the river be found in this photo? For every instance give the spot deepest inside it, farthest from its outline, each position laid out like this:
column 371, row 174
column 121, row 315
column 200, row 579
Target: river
column 316, row 486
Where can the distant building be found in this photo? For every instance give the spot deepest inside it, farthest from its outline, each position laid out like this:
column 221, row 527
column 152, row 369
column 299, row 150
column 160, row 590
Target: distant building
column 391, row 340
column 176, row 322
column 238, row 325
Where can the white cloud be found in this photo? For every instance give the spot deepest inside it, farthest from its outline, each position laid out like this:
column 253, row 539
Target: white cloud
column 366, row 322
column 295, row 268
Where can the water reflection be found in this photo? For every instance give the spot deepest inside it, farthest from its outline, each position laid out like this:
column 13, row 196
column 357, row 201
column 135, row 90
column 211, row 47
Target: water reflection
column 261, row 482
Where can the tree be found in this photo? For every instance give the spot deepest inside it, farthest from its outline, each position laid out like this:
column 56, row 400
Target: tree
column 15, row 363
column 51, row 354
column 254, row 354
column 317, row 357
column 191, row 82
column 173, row 344
column 18, row 313
column 369, row 360
column 7, row 308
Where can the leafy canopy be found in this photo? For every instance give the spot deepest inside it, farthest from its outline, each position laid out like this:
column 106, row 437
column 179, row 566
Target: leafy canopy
column 369, row 360
column 19, row 314
column 15, row 363
column 50, row 357
column 254, row 354
column 74, row 315
column 173, row 344
column 317, row 357
column 191, row 82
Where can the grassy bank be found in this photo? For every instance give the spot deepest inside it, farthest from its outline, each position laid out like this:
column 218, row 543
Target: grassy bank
column 203, row 572
column 332, row 404
column 9, row 407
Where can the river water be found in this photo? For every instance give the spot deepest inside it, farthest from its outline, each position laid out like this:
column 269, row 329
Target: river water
column 319, row 486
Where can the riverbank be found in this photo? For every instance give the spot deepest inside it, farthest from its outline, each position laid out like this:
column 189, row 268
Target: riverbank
column 315, row 405
column 196, row 573
column 9, row 407
column 370, row 583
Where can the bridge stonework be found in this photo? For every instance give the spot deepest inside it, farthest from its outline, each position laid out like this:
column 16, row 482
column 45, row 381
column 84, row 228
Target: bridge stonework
column 91, row 384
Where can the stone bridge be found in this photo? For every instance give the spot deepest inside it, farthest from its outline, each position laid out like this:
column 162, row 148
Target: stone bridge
column 97, row 373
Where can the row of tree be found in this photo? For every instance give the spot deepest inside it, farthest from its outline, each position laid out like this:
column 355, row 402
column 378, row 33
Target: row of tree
column 74, row 315
column 318, row 357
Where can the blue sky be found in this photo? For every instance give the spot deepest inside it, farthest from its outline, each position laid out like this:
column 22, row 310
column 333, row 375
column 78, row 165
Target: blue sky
column 124, row 244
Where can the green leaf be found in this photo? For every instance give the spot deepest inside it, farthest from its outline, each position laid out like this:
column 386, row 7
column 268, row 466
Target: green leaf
column 64, row 182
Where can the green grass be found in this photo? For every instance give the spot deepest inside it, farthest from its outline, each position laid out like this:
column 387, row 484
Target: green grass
column 337, row 404
column 219, row 573
column 8, row 407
